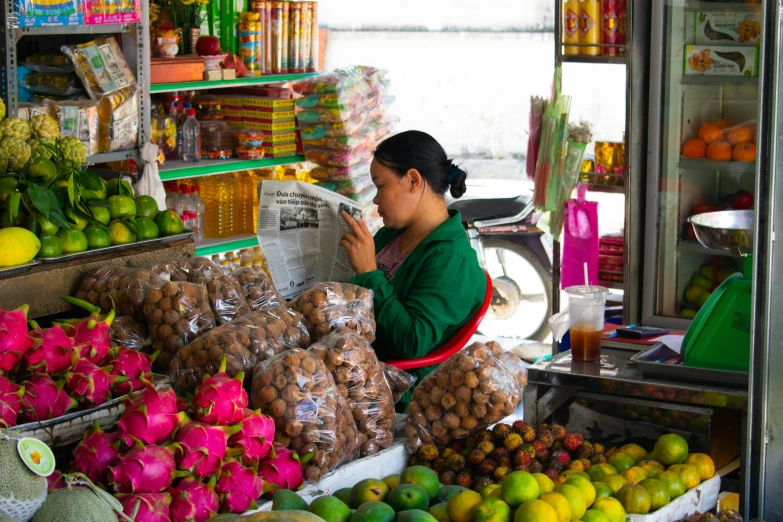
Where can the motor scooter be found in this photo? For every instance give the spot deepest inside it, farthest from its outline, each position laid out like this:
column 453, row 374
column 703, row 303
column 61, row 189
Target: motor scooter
column 500, row 221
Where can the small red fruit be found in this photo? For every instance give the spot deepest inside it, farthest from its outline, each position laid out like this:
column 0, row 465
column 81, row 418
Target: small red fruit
column 742, row 200
column 207, row 45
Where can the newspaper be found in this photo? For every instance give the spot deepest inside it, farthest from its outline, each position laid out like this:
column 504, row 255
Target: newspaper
column 299, row 230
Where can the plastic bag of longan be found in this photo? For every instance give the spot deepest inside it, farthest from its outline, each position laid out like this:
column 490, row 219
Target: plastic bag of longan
column 329, row 306
column 311, row 416
column 176, row 313
column 226, row 296
column 260, row 292
column 359, row 378
column 245, row 342
column 399, row 381
column 474, row 388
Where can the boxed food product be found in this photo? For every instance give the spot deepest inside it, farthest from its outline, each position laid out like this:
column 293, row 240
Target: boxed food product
column 275, row 104
column 123, row 12
column 254, row 113
column 311, row 416
column 712, row 60
column 232, row 112
column 279, row 151
column 45, row 14
column 280, row 137
column 280, row 126
column 733, row 27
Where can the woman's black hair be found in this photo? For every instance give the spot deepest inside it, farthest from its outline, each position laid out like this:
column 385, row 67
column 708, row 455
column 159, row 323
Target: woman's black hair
column 418, row 150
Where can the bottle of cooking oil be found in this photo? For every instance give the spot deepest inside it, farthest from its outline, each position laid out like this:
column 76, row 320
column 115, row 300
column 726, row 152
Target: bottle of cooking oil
column 245, row 183
column 210, row 196
column 224, row 189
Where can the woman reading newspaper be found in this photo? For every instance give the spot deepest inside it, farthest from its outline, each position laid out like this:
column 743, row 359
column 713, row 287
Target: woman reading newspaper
column 425, row 276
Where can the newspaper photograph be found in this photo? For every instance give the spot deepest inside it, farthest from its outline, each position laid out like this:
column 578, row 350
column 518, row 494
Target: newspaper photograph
column 299, row 230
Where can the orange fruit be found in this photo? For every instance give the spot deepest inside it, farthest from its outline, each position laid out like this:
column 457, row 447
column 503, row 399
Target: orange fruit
column 739, row 134
column 635, row 474
column 534, row 511
column 621, row 461
column 615, row 482
column 602, row 489
column 689, row 474
column 545, row 484
column 462, row 506
column 519, row 487
column 611, row 507
column 744, row 152
column 593, row 515
column 559, row 503
column 659, row 493
column 719, row 151
column 598, row 471
column 586, row 487
column 651, row 467
column 673, row 482
column 724, row 124
column 634, row 450
column 671, row 449
column 694, row 149
column 634, row 499
column 710, row 132
column 703, row 463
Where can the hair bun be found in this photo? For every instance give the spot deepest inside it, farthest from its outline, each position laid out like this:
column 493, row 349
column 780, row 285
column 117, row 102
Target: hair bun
column 456, row 181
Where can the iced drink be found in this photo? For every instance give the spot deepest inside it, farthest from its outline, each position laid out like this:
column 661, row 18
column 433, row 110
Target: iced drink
column 586, row 306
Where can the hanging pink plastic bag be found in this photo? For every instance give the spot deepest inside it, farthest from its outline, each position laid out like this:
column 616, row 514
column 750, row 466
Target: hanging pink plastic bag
column 580, row 241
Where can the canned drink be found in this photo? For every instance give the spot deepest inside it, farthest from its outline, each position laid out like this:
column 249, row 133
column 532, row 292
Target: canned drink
column 278, row 63
column 295, row 61
column 604, row 156
column 305, row 33
column 610, row 26
column 312, row 61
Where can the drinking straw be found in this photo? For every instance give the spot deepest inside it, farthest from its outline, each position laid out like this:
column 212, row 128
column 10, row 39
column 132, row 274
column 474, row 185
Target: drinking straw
column 587, row 280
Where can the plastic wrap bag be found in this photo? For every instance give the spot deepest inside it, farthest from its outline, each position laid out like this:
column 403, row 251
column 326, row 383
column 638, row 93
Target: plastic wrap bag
column 315, row 132
column 341, row 79
column 101, row 66
column 360, row 379
column 54, row 63
column 226, row 296
column 341, row 143
column 365, row 197
column 118, row 121
column 337, row 174
column 252, row 338
column 474, row 388
column 80, row 120
column 349, row 187
column 329, row 306
column 176, row 313
column 260, row 291
column 336, row 159
column 57, row 84
column 311, row 416
column 128, row 332
column 398, row 380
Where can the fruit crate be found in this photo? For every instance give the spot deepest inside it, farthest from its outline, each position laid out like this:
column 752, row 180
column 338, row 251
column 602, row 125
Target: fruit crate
column 69, row 428
column 702, row 498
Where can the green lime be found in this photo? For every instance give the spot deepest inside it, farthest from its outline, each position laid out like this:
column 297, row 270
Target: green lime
column 146, row 229
column 121, row 233
column 42, row 168
column 50, row 246
column 77, row 220
column 121, row 206
column 47, row 227
column 112, row 188
column 7, row 186
column 100, row 214
column 97, row 237
column 168, row 223
column 72, row 240
column 146, row 206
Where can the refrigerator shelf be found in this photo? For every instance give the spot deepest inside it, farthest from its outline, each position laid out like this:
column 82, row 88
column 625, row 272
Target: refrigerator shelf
column 732, row 167
column 720, row 81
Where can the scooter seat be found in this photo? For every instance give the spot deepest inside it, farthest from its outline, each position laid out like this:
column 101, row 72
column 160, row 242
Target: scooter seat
column 491, row 199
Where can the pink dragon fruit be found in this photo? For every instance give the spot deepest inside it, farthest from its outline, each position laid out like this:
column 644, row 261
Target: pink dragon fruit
column 144, row 469
column 14, row 341
column 90, row 335
column 95, row 453
column 51, row 352
column 220, row 400
column 255, row 437
column 283, row 471
column 10, row 401
column 90, row 383
column 153, row 507
column 131, row 364
column 55, row 481
column 150, row 416
column 193, row 501
column 44, row 399
column 203, row 446
column 238, row 487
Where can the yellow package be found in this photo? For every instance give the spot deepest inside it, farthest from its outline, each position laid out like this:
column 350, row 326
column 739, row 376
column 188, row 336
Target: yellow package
column 118, row 121
column 101, row 66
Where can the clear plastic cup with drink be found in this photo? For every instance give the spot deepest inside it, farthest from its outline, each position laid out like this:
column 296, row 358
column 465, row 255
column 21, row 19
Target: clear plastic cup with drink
column 586, row 306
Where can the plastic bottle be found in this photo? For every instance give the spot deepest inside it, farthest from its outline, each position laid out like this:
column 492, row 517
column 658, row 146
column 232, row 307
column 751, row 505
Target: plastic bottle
column 172, row 196
column 247, row 185
column 187, row 210
column 181, row 116
column 226, row 266
column 192, row 138
column 224, row 192
column 209, row 196
column 198, row 209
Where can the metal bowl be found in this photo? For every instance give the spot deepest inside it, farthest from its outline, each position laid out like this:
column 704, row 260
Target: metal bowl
column 728, row 230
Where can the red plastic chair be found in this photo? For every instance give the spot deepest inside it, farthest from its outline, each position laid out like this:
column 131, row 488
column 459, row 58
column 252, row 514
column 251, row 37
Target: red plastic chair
column 456, row 343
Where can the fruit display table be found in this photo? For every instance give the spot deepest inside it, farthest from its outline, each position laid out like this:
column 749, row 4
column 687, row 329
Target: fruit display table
column 42, row 286
column 582, row 396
